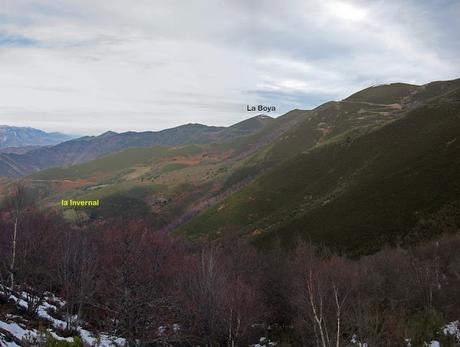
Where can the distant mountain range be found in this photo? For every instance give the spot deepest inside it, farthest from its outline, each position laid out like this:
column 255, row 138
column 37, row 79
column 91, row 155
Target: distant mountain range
column 23, row 162
column 11, row 136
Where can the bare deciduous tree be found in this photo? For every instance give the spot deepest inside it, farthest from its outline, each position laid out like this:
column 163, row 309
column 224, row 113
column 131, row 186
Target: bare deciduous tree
column 16, row 202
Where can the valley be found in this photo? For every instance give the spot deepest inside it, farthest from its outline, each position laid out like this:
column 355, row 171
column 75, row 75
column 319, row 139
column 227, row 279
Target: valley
column 290, row 177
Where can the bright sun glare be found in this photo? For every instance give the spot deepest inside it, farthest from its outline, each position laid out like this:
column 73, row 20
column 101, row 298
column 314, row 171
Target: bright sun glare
column 347, row 11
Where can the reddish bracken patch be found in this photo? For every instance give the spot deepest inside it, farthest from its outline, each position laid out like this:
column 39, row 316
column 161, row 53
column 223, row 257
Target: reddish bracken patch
column 64, row 185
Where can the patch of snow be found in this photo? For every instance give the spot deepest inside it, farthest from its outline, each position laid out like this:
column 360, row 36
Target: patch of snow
column 22, row 300
column 453, row 329
column 16, row 330
column 161, row 330
column 450, row 329
column 176, row 327
column 356, row 342
column 57, row 337
column 4, row 343
column 265, row 342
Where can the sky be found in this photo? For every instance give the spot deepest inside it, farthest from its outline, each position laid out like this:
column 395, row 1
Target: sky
column 86, row 66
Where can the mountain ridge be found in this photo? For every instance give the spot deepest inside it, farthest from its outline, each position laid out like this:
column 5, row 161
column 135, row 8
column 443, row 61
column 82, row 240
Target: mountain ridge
column 87, row 148
column 13, row 136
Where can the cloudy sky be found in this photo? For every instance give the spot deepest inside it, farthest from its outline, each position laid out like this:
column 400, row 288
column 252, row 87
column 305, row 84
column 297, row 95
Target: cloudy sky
column 87, row 66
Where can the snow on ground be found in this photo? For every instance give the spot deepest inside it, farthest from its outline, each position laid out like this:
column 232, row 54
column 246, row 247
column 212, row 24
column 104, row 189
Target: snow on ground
column 265, row 342
column 451, row 329
column 356, row 342
column 20, row 332
column 5, row 343
column 16, row 330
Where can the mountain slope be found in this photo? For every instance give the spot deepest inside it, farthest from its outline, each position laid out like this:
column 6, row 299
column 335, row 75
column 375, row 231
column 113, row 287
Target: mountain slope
column 20, row 136
column 355, row 193
column 141, row 178
column 385, row 94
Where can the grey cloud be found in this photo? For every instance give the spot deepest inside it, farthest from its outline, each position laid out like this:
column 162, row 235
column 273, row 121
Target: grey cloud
column 167, row 62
